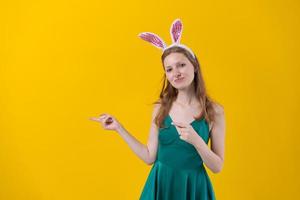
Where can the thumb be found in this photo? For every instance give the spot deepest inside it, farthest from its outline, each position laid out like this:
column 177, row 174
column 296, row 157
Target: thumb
column 179, row 124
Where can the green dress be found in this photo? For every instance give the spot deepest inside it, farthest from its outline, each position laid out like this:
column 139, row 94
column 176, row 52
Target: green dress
column 178, row 172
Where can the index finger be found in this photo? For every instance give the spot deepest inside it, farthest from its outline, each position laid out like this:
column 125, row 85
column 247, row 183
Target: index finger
column 95, row 119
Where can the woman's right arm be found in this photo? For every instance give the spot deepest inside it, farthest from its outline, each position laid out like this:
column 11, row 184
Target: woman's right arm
column 145, row 152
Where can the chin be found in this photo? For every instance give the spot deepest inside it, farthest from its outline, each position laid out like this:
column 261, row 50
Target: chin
column 181, row 87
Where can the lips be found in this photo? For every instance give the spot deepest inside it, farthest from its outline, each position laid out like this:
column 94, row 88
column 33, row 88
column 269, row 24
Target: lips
column 179, row 79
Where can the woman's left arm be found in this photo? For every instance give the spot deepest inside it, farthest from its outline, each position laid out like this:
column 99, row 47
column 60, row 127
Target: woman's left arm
column 214, row 157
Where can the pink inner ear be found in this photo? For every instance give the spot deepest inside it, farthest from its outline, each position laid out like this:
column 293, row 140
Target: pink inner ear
column 153, row 39
column 176, row 31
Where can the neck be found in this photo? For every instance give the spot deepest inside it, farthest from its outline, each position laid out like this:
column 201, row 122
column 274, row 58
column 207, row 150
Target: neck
column 186, row 96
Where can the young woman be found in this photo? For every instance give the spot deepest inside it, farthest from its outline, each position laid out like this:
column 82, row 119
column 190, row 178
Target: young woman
column 183, row 120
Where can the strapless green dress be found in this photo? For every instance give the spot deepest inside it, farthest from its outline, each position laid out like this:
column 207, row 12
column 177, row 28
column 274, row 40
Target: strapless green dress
column 178, row 172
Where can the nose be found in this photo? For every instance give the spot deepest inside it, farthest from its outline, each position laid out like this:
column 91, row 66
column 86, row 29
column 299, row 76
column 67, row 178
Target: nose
column 177, row 74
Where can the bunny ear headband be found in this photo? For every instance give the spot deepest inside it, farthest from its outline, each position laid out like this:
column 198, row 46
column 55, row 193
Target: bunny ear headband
column 175, row 31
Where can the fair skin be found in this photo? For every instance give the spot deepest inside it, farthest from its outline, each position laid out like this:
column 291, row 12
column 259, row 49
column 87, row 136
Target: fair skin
column 182, row 111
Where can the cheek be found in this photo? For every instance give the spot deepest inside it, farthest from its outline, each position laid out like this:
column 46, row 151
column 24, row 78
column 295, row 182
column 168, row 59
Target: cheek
column 191, row 71
column 168, row 76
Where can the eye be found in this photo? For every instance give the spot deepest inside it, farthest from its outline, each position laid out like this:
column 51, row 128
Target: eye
column 182, row 65
column 168, row 70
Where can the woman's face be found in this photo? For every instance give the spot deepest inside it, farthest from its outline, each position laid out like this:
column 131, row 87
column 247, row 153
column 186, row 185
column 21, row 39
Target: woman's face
column 179, row 70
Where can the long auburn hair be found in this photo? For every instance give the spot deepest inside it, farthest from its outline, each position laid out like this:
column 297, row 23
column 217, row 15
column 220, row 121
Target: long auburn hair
column 168, row 93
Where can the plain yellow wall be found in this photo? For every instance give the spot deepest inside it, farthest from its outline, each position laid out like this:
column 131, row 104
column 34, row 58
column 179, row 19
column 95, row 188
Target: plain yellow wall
column 62, row 62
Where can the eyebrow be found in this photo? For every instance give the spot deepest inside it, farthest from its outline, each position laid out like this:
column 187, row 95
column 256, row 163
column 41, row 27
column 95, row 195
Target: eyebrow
column 175, row 64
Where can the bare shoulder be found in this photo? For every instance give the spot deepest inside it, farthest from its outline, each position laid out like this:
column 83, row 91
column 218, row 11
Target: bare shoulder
column 219, row 109
column 218, row 125
column 156, row 108
column 219, row 115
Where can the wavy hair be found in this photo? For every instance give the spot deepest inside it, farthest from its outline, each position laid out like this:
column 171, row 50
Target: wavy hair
column 168, row 93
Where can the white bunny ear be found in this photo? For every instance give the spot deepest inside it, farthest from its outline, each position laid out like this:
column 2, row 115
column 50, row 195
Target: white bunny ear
column 176, row 31
column 153, row 39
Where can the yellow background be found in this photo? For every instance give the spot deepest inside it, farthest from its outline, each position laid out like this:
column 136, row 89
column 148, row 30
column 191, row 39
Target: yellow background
column 62, row 62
